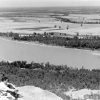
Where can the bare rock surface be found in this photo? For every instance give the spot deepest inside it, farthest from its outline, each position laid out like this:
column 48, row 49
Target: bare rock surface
column 35, row 93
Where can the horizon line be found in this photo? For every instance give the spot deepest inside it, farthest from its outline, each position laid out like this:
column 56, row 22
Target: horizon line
column 49, row 6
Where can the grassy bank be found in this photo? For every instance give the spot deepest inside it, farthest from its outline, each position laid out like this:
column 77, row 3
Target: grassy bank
column 54, row 78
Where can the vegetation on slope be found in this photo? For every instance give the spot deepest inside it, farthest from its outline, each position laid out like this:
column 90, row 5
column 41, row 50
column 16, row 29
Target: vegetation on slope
column 49, row 76
column 55, row 78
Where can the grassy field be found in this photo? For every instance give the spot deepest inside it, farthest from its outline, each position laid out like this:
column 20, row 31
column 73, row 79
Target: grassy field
column 29, row 20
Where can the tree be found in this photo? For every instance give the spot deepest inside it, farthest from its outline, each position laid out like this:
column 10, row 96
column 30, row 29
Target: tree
column 55, row 26
column 67, row 27
column 59, row 27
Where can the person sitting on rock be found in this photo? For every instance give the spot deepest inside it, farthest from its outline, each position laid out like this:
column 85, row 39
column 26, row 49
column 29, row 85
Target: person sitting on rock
column 7, row 87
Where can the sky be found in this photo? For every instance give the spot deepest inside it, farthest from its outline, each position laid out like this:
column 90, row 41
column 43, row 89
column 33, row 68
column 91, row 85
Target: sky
column 48, row 3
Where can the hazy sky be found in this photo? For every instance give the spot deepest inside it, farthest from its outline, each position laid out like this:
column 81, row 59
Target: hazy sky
column 48, row 3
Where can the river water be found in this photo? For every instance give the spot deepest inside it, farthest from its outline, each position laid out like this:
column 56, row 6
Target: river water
column 14, row 50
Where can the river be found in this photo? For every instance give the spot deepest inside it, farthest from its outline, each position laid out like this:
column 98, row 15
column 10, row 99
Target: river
column 13, row 50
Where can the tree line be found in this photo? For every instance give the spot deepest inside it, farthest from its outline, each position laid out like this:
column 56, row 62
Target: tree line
column 85, row 43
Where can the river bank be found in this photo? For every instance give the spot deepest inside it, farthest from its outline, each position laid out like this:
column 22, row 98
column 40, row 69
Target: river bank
column 45, row 44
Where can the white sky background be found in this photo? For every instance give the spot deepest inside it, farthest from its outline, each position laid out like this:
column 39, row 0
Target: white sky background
column 48, row 3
